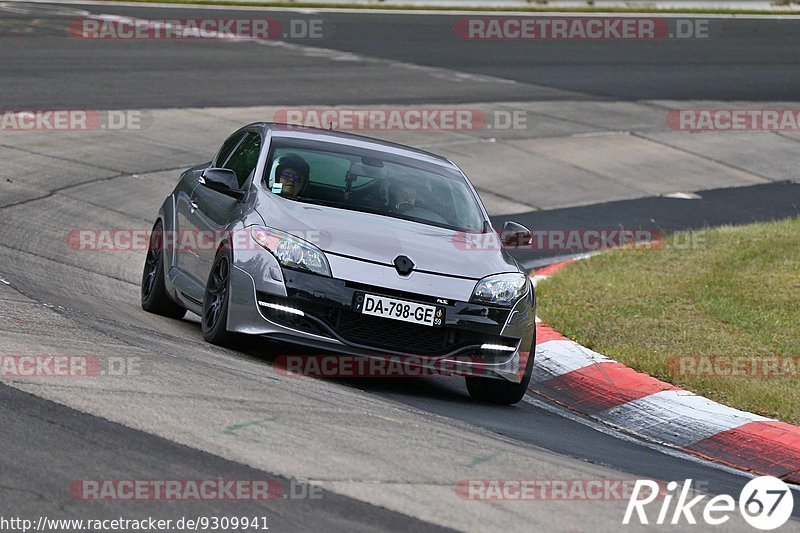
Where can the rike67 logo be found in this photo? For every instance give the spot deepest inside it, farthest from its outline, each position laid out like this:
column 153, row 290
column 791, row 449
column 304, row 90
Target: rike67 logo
column 765, row 503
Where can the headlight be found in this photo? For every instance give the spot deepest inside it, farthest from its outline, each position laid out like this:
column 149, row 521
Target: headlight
column 500, row 289
column 290, row 251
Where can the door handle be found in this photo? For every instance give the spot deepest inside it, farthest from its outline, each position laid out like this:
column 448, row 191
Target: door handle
column 194, row 206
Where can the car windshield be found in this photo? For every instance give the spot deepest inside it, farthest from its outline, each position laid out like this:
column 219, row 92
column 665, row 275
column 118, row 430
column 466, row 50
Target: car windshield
column 371, row 181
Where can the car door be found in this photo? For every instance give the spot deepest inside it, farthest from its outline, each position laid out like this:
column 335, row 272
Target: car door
column 187, row 259
column 212, row 211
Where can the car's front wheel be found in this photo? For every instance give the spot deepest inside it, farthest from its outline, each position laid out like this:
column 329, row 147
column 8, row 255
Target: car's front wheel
column 154, row 292
column 215, row 302
column 500, row 391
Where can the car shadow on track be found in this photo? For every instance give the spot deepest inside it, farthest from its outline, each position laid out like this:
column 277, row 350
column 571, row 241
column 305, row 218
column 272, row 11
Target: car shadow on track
column 441, row 388
column 447, row 392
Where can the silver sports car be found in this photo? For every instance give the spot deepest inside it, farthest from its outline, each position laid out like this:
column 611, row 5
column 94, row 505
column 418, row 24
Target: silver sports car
column 346, row 244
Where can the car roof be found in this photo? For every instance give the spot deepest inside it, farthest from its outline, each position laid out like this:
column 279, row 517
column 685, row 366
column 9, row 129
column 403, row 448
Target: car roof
column 290, row 131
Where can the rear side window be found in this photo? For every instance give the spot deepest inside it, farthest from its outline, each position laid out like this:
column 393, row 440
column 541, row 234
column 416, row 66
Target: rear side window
column 244, row 158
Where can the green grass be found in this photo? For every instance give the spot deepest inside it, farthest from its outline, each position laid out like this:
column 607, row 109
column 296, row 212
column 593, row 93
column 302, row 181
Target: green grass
column 735, row 292
column 527, row 9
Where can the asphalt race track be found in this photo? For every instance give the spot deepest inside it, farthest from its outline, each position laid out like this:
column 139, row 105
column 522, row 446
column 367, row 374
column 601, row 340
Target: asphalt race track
column 596, row 151
column 753, row 59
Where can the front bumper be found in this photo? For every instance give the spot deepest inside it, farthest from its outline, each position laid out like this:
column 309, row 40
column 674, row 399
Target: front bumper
column 318, row 312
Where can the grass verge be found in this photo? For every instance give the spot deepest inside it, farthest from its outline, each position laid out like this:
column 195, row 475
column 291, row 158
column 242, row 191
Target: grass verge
column 716, row 312
column 526, row 9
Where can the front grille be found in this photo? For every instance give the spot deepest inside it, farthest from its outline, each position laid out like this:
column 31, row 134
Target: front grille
column 393, row 334
column 412, row 339
column 376, row 332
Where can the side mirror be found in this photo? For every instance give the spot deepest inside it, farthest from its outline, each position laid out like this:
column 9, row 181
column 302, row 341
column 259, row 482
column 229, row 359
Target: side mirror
column 515, row 235
column 223, row 181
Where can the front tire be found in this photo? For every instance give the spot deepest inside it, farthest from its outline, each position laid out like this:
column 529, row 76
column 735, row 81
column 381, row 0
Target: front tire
column 215, row 303
column 500, row 391
column 154, row 291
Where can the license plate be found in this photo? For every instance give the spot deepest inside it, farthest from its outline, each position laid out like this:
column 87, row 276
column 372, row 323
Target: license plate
column 416, row 313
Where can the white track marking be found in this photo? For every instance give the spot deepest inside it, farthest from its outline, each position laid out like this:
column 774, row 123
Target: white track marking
column 611, row 431
column 21, row 8
column 338, row 55
column 452, row 76
column 683, row 196
column 601, row 133
column 556, row 358
column 677, row 417
column 431, row 12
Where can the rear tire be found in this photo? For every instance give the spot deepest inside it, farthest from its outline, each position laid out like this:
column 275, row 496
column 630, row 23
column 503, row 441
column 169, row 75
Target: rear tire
column 501, row 391
column 214, row 319
column 154, row 291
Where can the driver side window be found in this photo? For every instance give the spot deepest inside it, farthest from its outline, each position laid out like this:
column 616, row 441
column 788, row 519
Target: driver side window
column 227, row 148
column 244, row 158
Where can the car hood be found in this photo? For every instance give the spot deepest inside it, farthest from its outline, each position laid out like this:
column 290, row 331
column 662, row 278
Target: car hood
column 381, row 239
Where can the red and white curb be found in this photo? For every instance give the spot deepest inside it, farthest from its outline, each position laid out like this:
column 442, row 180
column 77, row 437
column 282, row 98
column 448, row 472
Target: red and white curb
column 594, row 385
